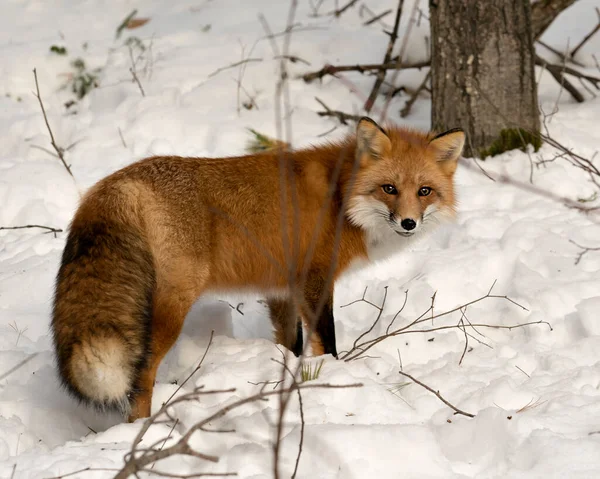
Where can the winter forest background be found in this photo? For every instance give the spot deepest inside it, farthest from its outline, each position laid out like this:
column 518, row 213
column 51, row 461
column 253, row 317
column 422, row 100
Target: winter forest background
column 473, row 354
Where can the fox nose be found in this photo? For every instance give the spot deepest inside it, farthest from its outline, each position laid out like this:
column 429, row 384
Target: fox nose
column 408, row 224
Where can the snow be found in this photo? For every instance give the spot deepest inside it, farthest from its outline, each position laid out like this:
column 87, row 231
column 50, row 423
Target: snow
column 535, row 391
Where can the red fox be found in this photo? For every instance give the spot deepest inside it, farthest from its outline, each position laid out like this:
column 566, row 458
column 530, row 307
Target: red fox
column 148, row 240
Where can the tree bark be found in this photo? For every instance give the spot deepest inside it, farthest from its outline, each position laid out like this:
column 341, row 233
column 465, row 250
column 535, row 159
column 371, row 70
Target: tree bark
column 543, row 13
column 483, row 73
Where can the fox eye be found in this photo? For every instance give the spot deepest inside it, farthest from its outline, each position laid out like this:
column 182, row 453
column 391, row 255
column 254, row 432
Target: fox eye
column 389, row 189
column 425, row 191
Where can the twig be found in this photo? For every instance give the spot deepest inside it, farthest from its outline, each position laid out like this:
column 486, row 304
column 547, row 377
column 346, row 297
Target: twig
column 85, row 469
column 233, row 65
column 59, row 150
column 359, row 349
column 407, row 107
column 300, row 444
column 377, row 17
column 588, row 36
column 196, row 369
column 49, row 228
column 559, row 71
column 340, row 115
column 361, row 68
column 585, row 250
column 338, row 13
column 292, row 58
column 439, row 396
column 400, row 57
column 462, row 322
column 121, row 136
column 137, row 80
column 134, row 463
column 388, row 56
column 379, row 308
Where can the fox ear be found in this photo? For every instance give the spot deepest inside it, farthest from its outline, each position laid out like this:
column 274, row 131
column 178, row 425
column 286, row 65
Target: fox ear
column 371, row 140
column 448, row 147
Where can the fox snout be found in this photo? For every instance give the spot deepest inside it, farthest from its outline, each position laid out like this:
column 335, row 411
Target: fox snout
column 405, row 226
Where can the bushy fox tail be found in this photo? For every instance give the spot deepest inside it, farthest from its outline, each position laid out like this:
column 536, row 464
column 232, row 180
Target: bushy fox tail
column 102, row 311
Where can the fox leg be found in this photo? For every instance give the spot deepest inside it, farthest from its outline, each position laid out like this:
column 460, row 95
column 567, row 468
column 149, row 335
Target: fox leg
column 288, row 328
column 320, row 323
column 170, row 310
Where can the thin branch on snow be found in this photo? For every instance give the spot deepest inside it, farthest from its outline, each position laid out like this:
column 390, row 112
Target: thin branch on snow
column 233, row 65
column 408, row 106
column 588, row 36
column 340, row 11
column 462, row 324
column 137, row 459
column 359, row 348
column 17, row 366
column 361, row 68
column 122, row 138
column 85, row 469
column 302, row 423
column 585, row 250
column 387, row 58
column 133, row 70
column 411, row 22
column 374, row 17
column 437, row 393
column 340, row 115
column 564, row 57
column 49, row 228
column 559, row 71
column 59, row 151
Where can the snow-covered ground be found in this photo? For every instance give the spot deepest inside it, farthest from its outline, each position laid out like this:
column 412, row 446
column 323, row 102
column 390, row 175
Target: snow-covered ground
column 535, row 391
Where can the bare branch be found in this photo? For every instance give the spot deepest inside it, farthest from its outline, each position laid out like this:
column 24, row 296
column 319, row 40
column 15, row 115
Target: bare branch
column 585, row 249
column 376, row 18
column 135, row 462
column 388, row 56
column 122, row 139
column 196, row 369
column 588, row 36
column 85, row 469
column 59, row 151
column 18, row 366
column 439, row 396
column 49, row 228
column 233, row 65
column 407, row 107
column 462, row 323
column 137, row 80
column 361, row 68
column 338, row 13
column 340, row 115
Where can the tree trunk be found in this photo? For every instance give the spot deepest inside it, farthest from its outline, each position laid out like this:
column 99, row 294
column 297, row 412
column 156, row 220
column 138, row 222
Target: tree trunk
column 483, row 81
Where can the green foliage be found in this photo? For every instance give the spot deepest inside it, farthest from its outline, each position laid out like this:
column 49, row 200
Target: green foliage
column 510, row 139
column 83, row 80
column 589, row 199
column 125, row 22
column 309, row 373
column 58, row 50
column 260, row 142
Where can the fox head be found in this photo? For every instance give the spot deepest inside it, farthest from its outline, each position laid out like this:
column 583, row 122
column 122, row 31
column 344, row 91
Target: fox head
column 404, row 180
